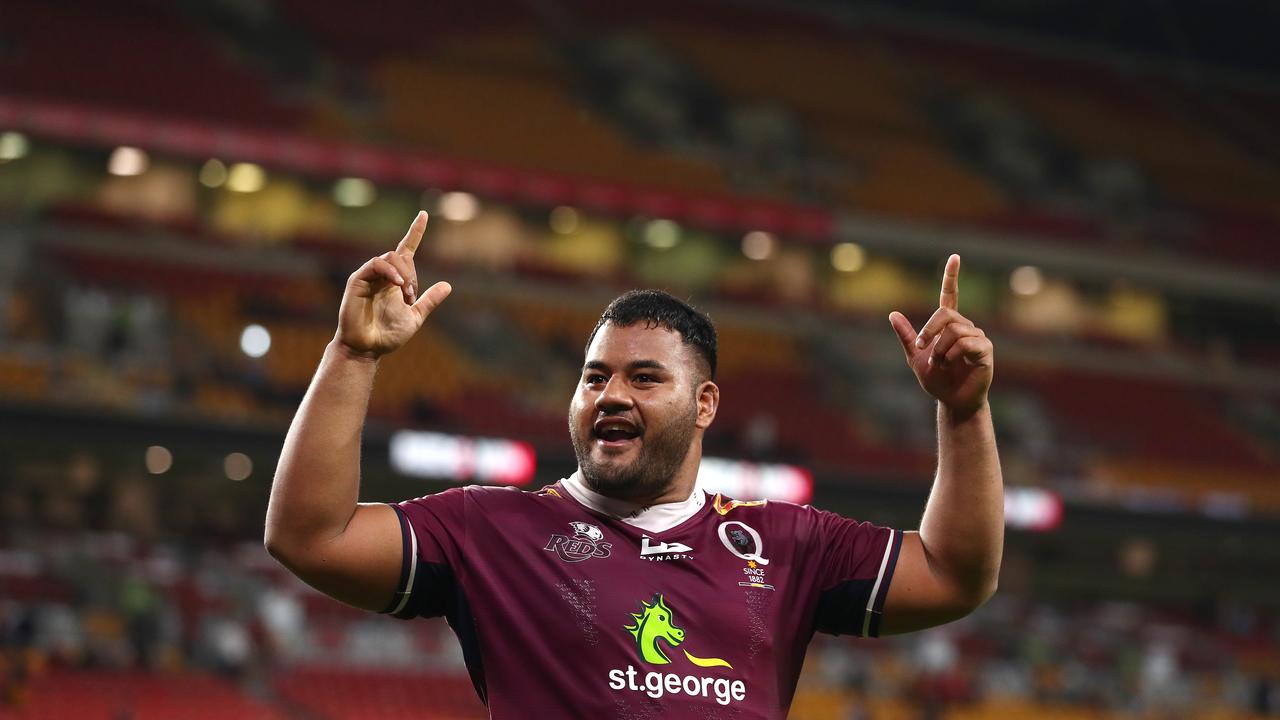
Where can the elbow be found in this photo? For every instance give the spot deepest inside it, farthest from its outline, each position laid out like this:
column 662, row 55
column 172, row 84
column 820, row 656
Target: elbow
column 976, row 594
column 987, row 591
column 278, row 546
column 281, row 538
column 290, row 555
column 271, row 541
column 966, row 594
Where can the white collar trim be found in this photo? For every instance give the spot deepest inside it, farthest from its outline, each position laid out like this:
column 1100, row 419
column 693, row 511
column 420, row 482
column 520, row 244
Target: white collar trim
column 655, row 518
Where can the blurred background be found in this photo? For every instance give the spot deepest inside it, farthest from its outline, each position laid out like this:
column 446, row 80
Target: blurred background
column 184, row 187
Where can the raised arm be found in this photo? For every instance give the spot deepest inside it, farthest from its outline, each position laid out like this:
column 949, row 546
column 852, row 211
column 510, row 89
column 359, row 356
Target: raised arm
column 951, row 565
column 315, row 527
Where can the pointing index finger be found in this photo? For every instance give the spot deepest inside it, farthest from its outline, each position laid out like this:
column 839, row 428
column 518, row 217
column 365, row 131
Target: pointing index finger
column 950, row 296
column 409, row 244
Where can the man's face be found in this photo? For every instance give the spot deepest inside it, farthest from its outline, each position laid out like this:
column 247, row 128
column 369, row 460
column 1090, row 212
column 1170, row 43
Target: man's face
column 637, row 410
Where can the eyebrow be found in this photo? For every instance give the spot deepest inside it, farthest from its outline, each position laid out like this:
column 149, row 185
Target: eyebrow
column 633, row 365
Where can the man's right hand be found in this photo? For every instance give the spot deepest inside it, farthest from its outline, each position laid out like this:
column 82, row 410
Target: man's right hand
column 380, row 307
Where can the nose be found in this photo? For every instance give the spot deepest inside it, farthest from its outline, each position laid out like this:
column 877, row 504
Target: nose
column 614, row 396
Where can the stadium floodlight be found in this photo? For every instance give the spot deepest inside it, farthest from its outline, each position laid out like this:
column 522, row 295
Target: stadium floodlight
column 13, row 146
column 758, row 245
column 213, row 173
column 354, row 192
column 661, row 234
column 237, row 466
column 459, row 206
column 128, row 161
column 564, row 220
column 246, row 178
column 755, row 481
column 158, row 459
column 255, row 341
column 848, row 257
column 461, row 458
column 1026, row 280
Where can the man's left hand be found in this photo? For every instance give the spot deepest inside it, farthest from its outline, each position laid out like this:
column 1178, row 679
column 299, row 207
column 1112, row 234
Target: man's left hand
column 952, row 358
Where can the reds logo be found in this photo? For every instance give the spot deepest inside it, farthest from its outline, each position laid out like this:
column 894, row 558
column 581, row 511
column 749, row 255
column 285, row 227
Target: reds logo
column 590, row 532
column 587, row 542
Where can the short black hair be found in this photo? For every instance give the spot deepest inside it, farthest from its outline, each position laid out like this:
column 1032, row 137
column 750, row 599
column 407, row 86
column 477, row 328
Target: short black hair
column 657, row 308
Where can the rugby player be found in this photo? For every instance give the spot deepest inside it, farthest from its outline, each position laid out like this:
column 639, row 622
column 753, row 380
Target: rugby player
column 624, row 590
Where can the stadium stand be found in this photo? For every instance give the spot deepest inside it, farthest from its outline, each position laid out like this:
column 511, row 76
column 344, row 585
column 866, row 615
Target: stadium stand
column 1149, row 408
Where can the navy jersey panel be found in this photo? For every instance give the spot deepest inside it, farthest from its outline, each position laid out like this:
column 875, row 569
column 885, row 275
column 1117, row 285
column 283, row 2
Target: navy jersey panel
column 433, row 530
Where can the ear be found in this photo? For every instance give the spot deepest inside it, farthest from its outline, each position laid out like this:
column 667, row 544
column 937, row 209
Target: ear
column 708, row 404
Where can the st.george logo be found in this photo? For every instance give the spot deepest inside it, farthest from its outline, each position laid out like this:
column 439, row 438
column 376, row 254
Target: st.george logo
column 656, row 633
column 653, row 626
column 587, row 542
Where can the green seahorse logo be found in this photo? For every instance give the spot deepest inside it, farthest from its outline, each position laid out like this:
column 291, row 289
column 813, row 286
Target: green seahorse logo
column 653, row 624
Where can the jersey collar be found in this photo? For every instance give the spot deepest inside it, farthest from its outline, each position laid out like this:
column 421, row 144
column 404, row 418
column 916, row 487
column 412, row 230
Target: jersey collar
column 655, row 518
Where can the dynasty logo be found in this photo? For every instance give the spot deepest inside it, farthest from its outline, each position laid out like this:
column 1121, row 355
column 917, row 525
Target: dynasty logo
column 587, row 542
column 660, row 551
column 652, row 628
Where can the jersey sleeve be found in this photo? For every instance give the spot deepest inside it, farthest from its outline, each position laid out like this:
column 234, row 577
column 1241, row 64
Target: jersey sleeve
column 432, row 530
column 855, row 566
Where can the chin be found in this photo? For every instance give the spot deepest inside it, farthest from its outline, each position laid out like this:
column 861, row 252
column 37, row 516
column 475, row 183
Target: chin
column 610, row 477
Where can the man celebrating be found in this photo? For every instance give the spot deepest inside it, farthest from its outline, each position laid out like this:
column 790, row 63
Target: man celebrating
column 624, row 591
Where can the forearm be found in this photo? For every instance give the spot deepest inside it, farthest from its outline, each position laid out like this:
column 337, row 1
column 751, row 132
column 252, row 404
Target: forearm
column 317, row 481
column 962, row 530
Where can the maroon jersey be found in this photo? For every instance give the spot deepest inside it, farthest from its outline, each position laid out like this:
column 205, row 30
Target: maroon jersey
column 563, row 611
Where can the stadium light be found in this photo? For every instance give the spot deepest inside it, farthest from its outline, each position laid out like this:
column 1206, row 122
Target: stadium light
column 255, row 341
column 459, row 206
column 13, row 146
column 1032, row 509
column 158, row 459
column 246, row 178
column 564, row 220
column 661, row 234
column 354, row 192
column 755, row 481
column 848, row 257
column 758, row 245
column 237, row 466
column 213, row 173
column 461, row 458
column 128, row 161
column 1026, row 280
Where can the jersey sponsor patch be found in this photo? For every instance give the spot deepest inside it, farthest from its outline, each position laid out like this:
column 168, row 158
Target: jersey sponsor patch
column 656, row 633
column 660, row 551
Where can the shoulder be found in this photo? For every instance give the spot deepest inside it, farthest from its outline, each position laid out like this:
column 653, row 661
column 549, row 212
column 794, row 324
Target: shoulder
column 763, row 511
column 489, row 496
column 509, row 496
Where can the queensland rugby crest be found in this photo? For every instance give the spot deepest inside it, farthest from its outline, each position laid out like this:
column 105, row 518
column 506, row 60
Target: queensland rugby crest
column 587, row 542
column 744, row 542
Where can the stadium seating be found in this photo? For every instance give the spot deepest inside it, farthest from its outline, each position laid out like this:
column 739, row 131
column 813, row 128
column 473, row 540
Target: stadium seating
column 480, row 83
column 479, row 353
column 139, row 695
column 81, row 51
column 344, row 694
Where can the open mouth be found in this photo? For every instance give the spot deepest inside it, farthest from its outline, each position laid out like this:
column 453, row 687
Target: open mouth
column 616, row 433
